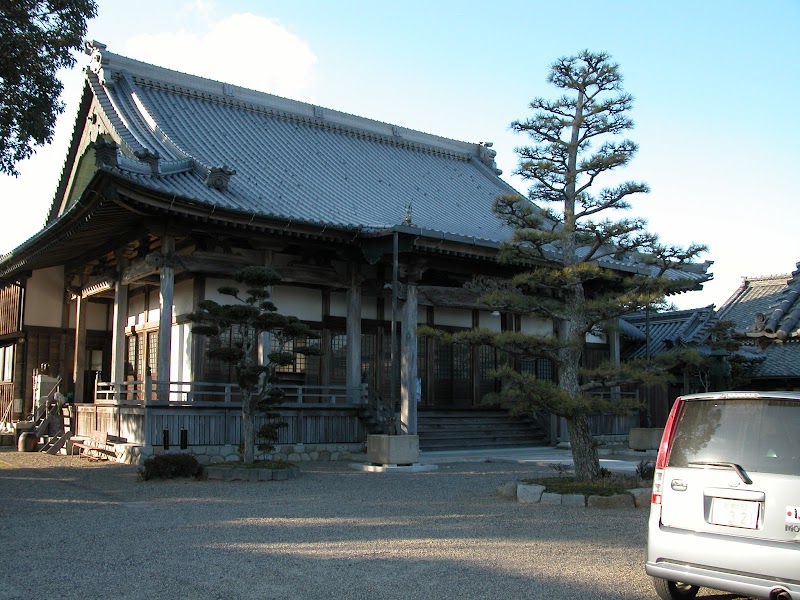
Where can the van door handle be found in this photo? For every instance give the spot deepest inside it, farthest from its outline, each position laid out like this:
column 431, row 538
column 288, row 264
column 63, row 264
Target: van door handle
column 678, row 485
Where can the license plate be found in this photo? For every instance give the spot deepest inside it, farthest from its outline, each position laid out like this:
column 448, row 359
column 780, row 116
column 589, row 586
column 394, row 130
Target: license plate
column 734, row 513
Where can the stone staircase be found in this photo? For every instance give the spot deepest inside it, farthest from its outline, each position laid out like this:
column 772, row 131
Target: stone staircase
column 468, row 428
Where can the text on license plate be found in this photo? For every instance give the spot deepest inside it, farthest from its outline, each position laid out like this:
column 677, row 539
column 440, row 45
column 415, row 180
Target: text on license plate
column 734, row 513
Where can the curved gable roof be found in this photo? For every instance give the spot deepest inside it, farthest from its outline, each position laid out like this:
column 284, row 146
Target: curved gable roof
column 290, row 160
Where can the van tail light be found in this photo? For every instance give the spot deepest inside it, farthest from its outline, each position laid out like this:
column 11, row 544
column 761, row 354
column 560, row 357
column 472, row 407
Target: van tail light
column 664, row 449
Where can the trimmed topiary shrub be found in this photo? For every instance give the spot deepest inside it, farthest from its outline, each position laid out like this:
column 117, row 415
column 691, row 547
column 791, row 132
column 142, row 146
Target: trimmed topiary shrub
column 170, row 466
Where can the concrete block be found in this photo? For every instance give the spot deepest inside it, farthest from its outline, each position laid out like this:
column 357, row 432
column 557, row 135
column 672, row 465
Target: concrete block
column 573, row 499
column 529, row 493
column 641, row 496
column 550, row 498
column 393, row 449
column 508, row 490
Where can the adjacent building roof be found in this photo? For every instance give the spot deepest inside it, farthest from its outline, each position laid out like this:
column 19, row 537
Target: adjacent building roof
column 766, row 307
column 663, row 331
column 764, row 311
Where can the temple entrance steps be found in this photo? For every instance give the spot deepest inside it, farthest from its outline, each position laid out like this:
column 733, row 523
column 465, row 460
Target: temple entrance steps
column 466, row 428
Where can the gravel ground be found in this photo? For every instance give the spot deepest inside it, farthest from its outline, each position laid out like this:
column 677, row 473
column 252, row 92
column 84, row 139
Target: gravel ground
column 71, row 528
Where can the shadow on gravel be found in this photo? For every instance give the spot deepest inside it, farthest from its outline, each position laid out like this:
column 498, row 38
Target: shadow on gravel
column 331, row 533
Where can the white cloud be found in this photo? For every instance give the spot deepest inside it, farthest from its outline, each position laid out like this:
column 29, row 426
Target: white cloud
column 243, row 49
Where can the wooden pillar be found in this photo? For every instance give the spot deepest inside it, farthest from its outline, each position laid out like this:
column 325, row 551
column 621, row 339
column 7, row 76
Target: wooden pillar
column 198, row 342
column 353, row 377
column 165, row 297
column 119, row 320
column 79, row 364
column 475, row 354
column 614, row 357
column 408, row 363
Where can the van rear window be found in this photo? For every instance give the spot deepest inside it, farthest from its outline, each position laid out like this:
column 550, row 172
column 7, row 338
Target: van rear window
column 759, row 435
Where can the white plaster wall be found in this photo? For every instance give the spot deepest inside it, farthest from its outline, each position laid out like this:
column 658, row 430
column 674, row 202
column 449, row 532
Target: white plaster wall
column 452, row 317
column 303, row 303
column 153, row 314
column 486, row 320
column 339, row 304
column 180, row 367
column 212, row 285
column 369, row 306
column 99, row 316
column 136, row 312
column 183, row 297
column 44, row 297
column 597, row 337
column 536, row 325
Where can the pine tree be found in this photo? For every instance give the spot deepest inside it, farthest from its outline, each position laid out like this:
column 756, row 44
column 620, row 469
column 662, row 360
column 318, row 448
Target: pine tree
column 569, row 255
column 235, row 331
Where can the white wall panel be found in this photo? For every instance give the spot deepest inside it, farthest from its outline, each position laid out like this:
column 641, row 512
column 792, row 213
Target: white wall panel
column 303, row 303
column 452, row 317
column 44, row 295
column 536, row 325
column 486, row 320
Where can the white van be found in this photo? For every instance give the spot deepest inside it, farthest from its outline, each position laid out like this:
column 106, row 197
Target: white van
column 725, row 511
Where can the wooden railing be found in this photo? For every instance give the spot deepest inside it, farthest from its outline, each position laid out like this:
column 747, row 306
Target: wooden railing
column 197, row 393
column 6, row 402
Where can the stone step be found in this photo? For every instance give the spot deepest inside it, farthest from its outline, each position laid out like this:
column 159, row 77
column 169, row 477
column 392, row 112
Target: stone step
column 453, row 429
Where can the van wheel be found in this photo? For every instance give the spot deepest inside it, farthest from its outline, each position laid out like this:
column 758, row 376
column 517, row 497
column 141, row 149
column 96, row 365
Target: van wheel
column 673, row 590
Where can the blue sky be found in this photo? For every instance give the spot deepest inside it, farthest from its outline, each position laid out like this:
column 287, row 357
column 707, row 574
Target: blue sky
column 715, row 83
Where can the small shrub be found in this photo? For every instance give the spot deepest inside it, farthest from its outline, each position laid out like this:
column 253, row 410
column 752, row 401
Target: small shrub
column 646, row 470
column 561, row 468
column 170, row 466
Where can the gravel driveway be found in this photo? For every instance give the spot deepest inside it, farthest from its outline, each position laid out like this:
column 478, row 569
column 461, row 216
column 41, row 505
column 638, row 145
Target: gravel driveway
column 70, row 528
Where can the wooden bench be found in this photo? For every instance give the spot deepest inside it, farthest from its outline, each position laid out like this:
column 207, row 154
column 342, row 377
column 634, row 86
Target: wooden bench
column 97, row 447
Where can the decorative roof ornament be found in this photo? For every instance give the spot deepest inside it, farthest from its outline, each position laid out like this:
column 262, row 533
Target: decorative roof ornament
column 105, row 152
column 219, row 177
column 150, row 158
column 407, row 216
column 486, row 156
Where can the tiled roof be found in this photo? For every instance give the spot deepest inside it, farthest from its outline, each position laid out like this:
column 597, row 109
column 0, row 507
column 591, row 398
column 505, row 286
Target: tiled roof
column 668, row 330
column 765, row 307
column 225, row 148
column 781, row 361
column 292, row 161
